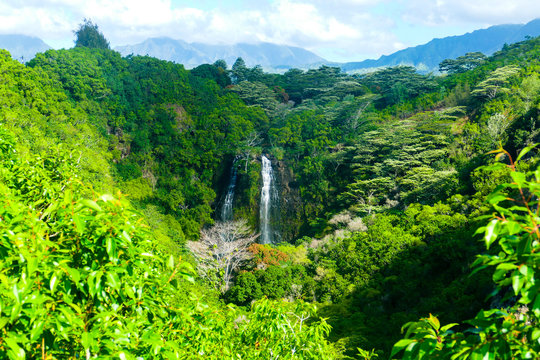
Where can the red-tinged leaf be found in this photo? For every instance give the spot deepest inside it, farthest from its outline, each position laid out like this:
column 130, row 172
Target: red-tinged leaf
column 434, row 322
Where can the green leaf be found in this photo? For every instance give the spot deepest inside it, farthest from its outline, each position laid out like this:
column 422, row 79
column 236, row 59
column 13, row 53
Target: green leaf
column 16, row 294
column 491, row 232
column 400, row 345
column 107, row 197
column 87, row 340
column 517, row 282
column 113, row 280
column 126, row 236
column 31, row 266
column 110, row 244
column 75, row 274
column 513, row 227
column 16, row 351
column 91, row 204
column 535, row 334
column 447, row 327
column 53, row 282
column 434, row 322
column 525, row 151
column 170, row 263
column 79, row 222
column 15, row 311
column 506, row 266
column 518, row 177
column 497, row 198
column 536, row 306
column 37, row 330
column 526, row 271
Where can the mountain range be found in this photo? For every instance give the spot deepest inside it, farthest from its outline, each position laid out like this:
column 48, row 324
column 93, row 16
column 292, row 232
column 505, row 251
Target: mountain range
column 427, row 57
column 270, row 56
column 193, row 54
column 22, row 47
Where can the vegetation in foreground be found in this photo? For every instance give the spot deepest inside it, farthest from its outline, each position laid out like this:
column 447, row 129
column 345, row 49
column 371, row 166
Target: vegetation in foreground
column 384, row 196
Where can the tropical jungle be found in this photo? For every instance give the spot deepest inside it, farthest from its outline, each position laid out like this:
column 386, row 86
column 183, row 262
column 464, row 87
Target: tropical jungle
column 222, row 212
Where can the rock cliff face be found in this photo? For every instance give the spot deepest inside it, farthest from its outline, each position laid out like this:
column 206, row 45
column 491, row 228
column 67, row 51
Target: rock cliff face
column 290, row 205
column 247, row 191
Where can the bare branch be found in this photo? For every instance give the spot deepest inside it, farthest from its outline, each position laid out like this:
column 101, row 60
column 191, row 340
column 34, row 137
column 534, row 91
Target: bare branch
column 222, row 250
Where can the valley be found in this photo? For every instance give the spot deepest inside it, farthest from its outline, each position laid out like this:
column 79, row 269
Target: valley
column 150, row 211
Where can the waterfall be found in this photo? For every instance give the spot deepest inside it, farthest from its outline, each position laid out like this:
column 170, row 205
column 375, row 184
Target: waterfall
column 227, row 209
column 269, row 201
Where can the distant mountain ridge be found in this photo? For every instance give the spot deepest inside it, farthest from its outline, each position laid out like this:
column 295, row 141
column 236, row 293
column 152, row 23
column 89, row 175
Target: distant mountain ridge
column 22, row 47
column 193, row 54
column 427, row 57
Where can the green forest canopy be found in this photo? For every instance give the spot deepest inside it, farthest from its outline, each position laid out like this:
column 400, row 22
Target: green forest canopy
column 384, row 189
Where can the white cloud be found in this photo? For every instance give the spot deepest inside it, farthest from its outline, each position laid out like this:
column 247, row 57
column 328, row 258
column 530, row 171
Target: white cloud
column 337, row 29
column 486, row 12
column 316, row 25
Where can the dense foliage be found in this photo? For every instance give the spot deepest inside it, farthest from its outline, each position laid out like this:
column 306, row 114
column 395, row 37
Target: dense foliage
column 387, row 182
column 88, row 35
column 508, row 332
column 381, row 192
column 81, row 276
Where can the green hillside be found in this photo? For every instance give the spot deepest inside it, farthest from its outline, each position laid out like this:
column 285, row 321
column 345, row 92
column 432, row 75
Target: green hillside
column 114, row 170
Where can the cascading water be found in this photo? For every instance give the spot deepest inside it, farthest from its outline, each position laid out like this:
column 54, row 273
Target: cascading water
column 269, row 200
column 227, row 209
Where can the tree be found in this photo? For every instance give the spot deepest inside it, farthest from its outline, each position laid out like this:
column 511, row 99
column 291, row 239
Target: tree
column 221, row 64
column 249, row 147
column 216, row 73
column 88, row 35
column 497, row 125
column 222, row 250
column 495, row 83
column 399, row 83
column 463, row 63
column 239, row 71
column 256, row 93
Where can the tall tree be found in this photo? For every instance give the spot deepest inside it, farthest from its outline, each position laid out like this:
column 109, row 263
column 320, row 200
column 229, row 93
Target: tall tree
column 239, row 71
column 88, row 35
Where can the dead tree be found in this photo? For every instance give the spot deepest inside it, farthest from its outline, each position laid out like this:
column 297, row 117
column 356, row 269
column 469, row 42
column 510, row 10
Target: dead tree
column 222, row 250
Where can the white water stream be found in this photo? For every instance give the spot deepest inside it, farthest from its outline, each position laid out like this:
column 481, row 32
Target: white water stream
column 227, row 209
column 268, row 198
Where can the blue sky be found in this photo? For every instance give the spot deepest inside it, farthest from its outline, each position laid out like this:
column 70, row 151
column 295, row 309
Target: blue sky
column 339, row 30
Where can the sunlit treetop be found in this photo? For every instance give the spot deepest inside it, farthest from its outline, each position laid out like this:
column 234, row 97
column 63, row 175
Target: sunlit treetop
column 88, row 35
